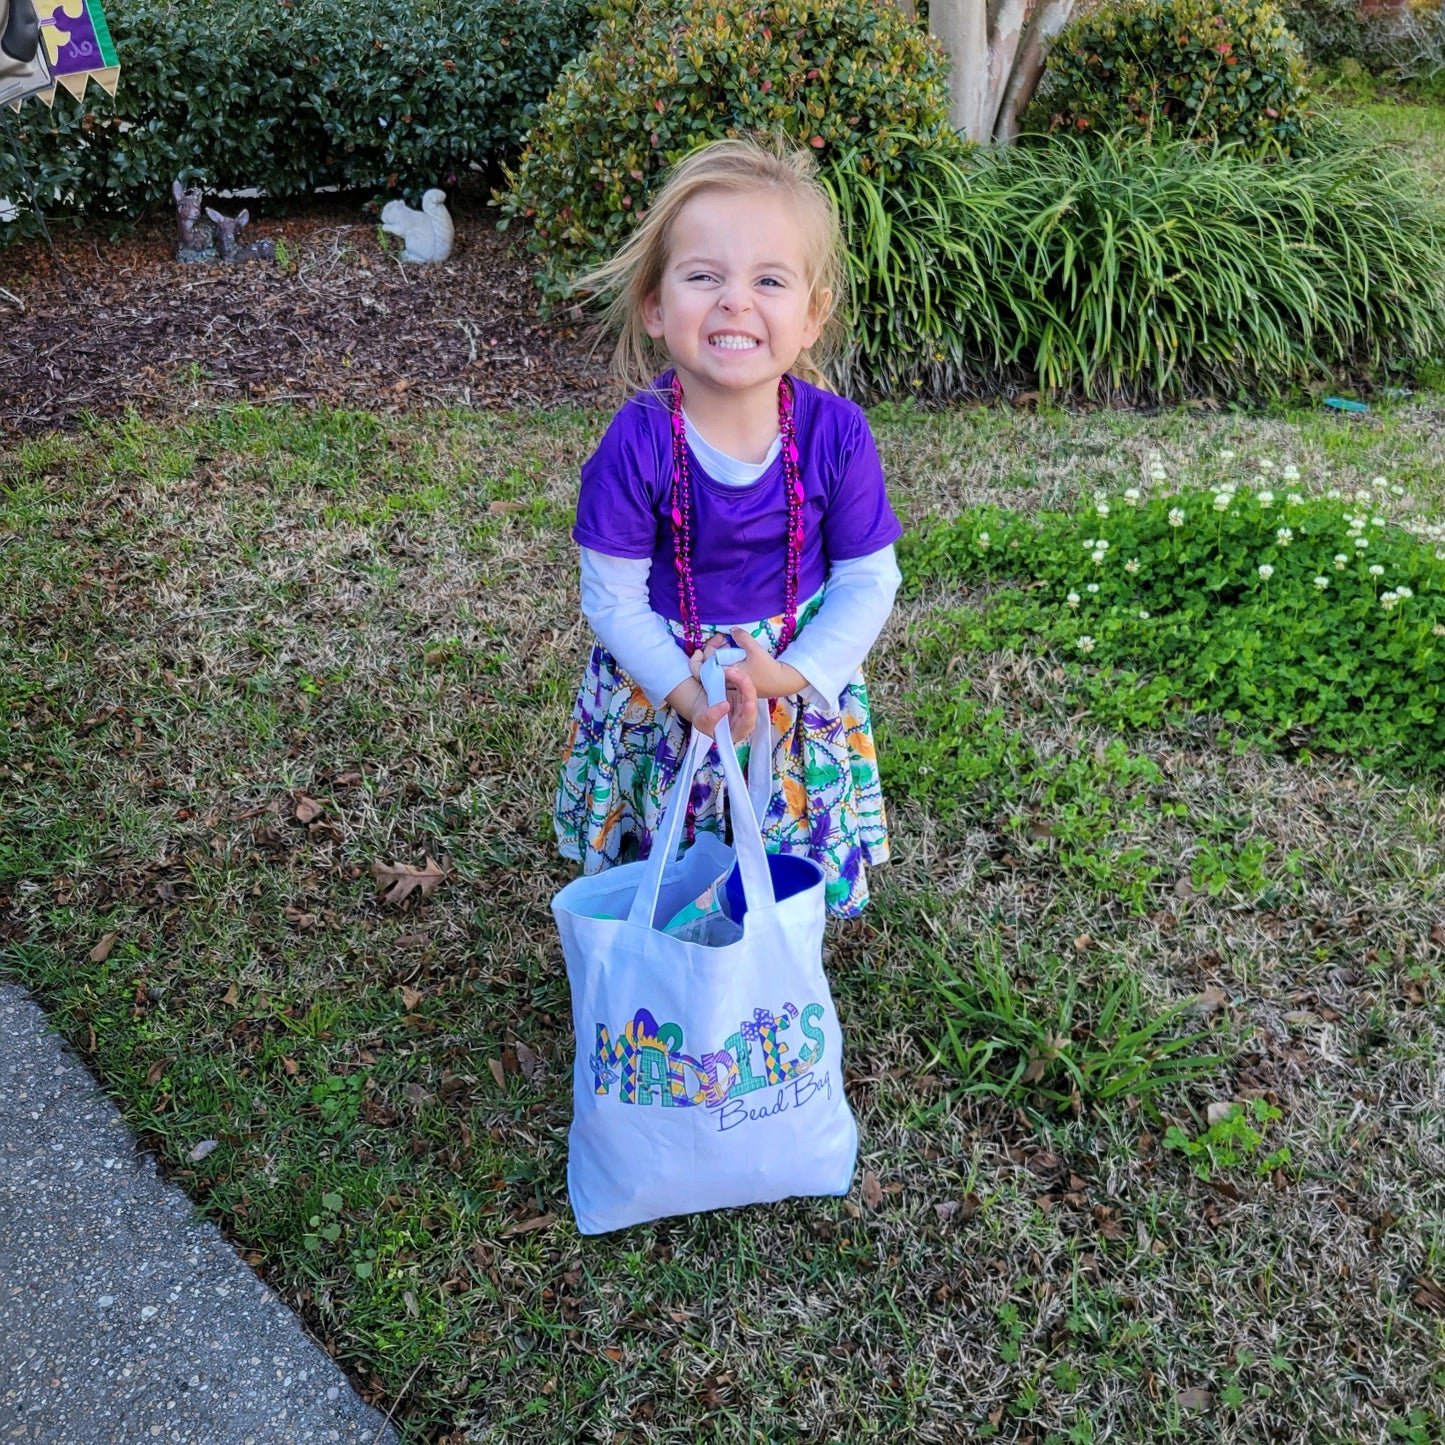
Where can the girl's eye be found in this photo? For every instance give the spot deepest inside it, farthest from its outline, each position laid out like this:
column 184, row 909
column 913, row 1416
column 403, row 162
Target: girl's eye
column 701, row 276
column 770, row 281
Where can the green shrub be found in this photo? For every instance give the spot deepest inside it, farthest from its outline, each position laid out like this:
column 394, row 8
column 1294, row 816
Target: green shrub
column 1330, row 31
column 853, row 78
column 1215, row 71
column 288, row 97
column 1315, row 621
column 1143, row 271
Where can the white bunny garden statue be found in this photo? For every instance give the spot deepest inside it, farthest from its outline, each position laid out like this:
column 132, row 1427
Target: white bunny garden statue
column 427, row 233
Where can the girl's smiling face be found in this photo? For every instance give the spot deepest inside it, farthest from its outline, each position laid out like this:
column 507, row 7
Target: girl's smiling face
column 734, row 308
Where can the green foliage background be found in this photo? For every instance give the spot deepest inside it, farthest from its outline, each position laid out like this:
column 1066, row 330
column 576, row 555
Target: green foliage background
column 1215, row 71
column 852, row 78
column 389, row 94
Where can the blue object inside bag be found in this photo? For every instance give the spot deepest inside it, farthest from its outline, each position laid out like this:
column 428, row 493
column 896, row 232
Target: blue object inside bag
column 791, row 873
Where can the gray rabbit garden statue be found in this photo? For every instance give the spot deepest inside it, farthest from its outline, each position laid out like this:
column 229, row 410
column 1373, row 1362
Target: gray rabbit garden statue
column 427, row 233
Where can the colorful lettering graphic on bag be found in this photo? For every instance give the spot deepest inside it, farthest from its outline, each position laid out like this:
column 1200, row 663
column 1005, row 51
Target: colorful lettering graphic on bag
column 647, row 1064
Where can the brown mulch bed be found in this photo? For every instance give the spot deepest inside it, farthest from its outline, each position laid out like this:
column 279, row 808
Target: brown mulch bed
column 344, row 323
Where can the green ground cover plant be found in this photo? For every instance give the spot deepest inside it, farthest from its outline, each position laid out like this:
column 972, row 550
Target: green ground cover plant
column 249, row 656
column 1314, row 619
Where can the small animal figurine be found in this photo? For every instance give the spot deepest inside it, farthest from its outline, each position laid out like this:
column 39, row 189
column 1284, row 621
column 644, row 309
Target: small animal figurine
column 197, row 241
column 427, row 233
column 228, row 229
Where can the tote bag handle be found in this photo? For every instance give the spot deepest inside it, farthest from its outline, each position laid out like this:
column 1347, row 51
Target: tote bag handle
column 757, row 880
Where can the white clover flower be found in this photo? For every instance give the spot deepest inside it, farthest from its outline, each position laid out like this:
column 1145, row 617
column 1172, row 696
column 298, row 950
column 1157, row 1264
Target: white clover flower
column 1157, row 474
column 1226, row 456
column 1295, row 500
column 1132, row 565
column 1440, row 554
column 1143, row 616
column 1086, row 643
column 1266, row 571
column 1265, row 465
column 1377, row 521
column 1176, row 517
column 1102, row 508
column 1222, row 501
column 1290, row 473
column 1333, row 494
column 1388, row 600
column 983, row 540
column 1377, row 570
column 1362, row 541
column 1403, row 593
column 1089, row 544
column 1092, row 587
column 1322, row 583
column 1363, row 496
column 1131, row 496
column 1100, row 494
column 1284, row 536
column 1378, row 482
column 1398, row 490
column 1340, row 561
column 1266, row 499
column 1097, row 556
column 1072, row 600
column 1102, row 544
column 1438, row 629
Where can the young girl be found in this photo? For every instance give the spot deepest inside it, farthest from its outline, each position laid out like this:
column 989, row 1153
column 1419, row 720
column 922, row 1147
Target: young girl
column 731, row 503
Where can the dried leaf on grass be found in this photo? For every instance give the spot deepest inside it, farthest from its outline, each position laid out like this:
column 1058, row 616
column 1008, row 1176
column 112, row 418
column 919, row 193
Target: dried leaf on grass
column 401, row 880
column 156, row 1071
column 528, row 1062
column 871, row 1190
column 1210, row 1001
column 1429, row 1295
column 526, row 1226
column 308, row 810
column 101, row 951
column 1195, row 1398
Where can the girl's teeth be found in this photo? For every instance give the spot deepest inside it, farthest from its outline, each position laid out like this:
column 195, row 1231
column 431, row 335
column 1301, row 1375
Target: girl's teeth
column 734, row 343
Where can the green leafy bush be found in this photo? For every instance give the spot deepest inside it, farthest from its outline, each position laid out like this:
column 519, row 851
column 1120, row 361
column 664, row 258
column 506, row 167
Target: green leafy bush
column 1143, row 271
column 1215, row 71
column 852, row 78
column 1315, row 621
column 1330, row 31
column 288, row 97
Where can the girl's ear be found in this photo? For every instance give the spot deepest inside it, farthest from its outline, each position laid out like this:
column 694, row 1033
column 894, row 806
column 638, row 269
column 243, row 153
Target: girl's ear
column 652, row 316
column 819, row 310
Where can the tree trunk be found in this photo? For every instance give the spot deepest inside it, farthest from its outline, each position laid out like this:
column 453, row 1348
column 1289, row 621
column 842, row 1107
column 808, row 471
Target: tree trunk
column 997, row 49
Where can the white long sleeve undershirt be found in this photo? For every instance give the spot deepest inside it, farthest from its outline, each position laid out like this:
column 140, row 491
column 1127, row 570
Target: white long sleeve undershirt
column 857, row 599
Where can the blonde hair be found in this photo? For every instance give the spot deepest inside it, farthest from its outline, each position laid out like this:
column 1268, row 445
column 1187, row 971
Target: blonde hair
column 635, row 273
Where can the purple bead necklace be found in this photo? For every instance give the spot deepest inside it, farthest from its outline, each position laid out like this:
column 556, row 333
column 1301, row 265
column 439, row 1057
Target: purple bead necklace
column 682, row 519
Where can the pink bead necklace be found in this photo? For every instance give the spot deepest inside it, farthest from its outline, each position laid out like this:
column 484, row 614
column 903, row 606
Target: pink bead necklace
column 682, row 519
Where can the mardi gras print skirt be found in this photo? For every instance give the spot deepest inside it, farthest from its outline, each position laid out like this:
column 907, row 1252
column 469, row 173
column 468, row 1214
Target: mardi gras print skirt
column 622, row 756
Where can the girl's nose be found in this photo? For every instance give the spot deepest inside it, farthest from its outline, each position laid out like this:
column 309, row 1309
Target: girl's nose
column 734, row 297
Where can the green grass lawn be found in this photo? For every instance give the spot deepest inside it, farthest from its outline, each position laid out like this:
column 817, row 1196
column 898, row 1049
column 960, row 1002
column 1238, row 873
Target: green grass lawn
column 1418, row 128
column 248, row 655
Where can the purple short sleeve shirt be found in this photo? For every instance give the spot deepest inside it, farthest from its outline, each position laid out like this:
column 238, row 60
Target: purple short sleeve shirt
column 739, row 533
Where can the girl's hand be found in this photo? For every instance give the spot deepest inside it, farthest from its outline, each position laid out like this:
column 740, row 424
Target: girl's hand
column 740, row 709
column 770, row 677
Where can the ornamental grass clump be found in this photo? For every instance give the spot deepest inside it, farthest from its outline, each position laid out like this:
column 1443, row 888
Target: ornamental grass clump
column 1316, row 620
column 1141, row 272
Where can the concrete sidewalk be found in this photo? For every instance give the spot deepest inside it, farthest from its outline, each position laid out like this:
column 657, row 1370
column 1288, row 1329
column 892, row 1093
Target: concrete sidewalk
column 122, row 1318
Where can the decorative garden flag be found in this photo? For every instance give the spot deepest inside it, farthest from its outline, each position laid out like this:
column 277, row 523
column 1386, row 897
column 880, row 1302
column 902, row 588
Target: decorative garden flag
column 78, row 46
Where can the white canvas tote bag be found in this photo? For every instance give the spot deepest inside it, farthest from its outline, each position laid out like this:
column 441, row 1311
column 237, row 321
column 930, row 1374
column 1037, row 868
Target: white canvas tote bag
column 708, row 1073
